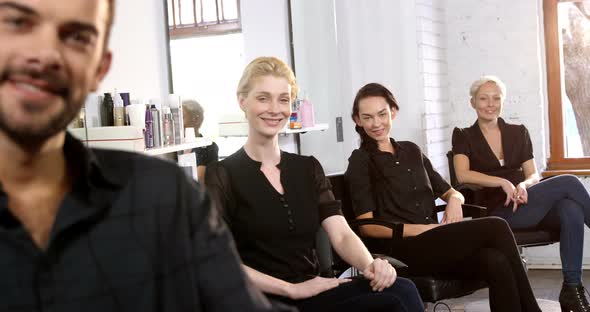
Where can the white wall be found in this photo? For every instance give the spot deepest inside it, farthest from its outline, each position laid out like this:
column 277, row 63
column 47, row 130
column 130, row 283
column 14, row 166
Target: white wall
column 138, row 42
column 434, row 80
column 265, row 26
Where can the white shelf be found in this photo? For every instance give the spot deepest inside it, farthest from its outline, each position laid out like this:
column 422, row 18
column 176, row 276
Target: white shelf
column 199, row 142
column 317, row 127
column 240, row 129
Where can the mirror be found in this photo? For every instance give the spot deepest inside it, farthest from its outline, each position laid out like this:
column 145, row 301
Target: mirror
column 207, row 57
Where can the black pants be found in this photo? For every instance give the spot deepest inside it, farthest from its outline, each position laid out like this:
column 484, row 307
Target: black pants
column 482, row 248
column 357, row 295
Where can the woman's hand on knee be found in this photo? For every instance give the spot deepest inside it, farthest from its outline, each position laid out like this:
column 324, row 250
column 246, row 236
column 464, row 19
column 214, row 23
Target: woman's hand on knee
column 453, row 213
column 380, row 273
column 313, row 287
column 522, row 196
column 510, row 191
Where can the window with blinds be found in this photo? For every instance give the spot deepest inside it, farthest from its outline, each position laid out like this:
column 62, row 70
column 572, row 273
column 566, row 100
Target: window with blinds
column 191, row 18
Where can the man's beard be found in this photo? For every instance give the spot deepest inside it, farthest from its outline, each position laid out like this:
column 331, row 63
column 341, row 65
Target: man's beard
column 31, row 137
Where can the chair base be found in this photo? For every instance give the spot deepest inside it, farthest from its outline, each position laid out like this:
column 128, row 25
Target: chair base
column 433, row 289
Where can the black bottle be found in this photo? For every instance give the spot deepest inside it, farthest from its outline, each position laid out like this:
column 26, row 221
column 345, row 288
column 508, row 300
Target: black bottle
column 106, row 111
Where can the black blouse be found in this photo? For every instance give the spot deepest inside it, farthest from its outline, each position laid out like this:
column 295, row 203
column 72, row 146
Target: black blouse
column 274, row 233
column 400, row 187
column 206, row 155
column 517, row 147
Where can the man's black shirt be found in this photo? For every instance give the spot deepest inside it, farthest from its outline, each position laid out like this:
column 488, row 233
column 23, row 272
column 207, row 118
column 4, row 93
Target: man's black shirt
column 133, row 234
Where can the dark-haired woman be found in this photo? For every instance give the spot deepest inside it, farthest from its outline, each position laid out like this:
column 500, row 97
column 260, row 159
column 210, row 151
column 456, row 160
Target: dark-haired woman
column 395, row 181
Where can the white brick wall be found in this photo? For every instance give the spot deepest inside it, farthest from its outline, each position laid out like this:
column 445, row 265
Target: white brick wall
column 432, row 59
column 500, row 37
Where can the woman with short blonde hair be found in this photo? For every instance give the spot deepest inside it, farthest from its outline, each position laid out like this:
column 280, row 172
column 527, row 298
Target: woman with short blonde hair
column 498, row 156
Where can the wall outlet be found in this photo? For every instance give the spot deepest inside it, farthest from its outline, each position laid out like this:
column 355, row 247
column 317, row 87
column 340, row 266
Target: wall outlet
column 339, row 133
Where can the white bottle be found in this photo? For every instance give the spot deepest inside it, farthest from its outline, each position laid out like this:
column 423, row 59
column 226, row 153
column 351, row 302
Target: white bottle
column 168, row 133
column 176, row 110
column 118, row 111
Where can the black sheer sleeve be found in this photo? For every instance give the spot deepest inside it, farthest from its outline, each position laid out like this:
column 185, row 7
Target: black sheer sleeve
column 219, row 187
column 328, row 205
column 207, row 155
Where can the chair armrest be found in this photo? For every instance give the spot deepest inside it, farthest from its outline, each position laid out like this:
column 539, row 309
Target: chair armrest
column 398, row 228
column 474, row 211
column 467, row 187
column 469, row 210
column 398, row 265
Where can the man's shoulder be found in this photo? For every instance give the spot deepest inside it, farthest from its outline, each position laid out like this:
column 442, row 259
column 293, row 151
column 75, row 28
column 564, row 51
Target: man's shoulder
column 127, row 164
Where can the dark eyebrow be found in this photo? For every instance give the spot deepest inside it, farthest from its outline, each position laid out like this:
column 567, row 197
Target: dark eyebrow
column 83, row 27
column 378, row 113
column 29, row 11
column 19, row 7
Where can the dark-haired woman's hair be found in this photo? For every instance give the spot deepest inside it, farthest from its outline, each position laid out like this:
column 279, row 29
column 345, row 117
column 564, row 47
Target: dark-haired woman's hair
column 370, row 90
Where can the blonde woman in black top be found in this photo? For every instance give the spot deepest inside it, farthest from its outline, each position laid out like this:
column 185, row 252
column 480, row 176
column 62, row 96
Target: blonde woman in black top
column 498, row 156
column 395, row 181
column 275, row 202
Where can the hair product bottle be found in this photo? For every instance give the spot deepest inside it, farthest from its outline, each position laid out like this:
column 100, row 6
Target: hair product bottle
column 306, row 114
column 156, row 125
column 118, row 111
column 106, row 112
column 149, row 135
column 167, row 126
column 176, row 110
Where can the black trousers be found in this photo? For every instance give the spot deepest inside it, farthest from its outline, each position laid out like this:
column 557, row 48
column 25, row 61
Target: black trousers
column 357, row 295
column 482, row 248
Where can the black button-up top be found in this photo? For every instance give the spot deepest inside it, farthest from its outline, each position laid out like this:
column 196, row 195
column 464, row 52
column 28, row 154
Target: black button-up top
column 400, row 187
column 134, row 234
column 274, row 233
column 517, row 148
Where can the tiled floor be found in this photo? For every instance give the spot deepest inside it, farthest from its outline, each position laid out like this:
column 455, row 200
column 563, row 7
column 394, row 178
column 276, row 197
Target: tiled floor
column 546, row 285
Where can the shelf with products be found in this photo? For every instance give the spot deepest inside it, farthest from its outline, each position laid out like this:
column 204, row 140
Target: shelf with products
column 129, row 138
column 240, row 129
column 198, row 142
column 316, row 127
